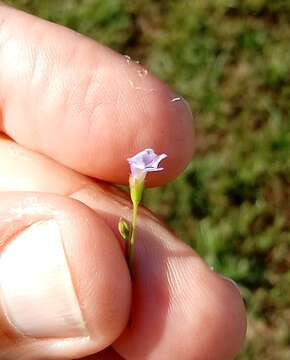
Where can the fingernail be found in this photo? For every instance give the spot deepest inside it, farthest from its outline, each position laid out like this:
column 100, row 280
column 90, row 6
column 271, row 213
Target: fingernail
column 232, row 282
column 237, row 287
column 36, row 285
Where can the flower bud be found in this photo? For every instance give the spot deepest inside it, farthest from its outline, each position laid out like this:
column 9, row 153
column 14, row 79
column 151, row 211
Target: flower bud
column 124, row 229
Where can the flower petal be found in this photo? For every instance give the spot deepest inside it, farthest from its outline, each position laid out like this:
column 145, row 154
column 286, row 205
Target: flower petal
column 155, row 162
column 145, row 161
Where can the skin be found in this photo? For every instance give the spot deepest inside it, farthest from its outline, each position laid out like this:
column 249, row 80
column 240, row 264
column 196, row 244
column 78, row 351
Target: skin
column 70, row 118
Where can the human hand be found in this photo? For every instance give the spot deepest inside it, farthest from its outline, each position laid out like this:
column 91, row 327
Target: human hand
column 71, row 110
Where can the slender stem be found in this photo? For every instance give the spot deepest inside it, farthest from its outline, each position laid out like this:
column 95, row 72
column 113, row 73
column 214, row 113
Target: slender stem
column 131, row 243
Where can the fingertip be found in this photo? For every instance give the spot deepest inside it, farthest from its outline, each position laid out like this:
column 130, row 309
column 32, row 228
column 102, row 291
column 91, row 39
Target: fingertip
column 170, row 130
column 223, row 318
column 214, row 312
column 161, row 120
column 96, row 98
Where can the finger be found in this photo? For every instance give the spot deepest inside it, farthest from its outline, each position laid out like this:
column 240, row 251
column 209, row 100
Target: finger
column 83, row 104
column 60, row 296
column 181, row 309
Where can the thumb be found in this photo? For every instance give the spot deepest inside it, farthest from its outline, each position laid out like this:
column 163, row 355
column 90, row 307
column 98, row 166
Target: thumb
column 60, row 297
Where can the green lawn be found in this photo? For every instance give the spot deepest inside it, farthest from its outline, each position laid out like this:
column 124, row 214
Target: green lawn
column 231, row 60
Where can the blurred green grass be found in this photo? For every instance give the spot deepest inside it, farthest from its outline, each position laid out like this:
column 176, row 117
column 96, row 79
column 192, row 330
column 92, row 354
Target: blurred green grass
column 231, row 60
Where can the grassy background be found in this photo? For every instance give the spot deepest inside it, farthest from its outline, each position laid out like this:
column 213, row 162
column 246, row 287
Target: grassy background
column 231, row 60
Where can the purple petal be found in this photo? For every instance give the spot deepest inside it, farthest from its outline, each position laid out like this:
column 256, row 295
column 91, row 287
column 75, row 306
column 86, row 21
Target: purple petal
column 144, row 157
column 152, row 169
column 155, row 162
column 145, row 161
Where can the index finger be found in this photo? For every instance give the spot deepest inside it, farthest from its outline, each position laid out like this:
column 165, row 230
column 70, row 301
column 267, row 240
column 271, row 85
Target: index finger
column 84, row 105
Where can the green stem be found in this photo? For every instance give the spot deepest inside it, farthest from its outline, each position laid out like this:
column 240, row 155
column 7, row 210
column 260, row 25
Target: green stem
column 131, row 243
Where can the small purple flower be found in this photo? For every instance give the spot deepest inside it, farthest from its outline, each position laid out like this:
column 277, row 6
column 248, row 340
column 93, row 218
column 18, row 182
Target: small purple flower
column 140, row 164
column 143, row 162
